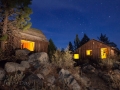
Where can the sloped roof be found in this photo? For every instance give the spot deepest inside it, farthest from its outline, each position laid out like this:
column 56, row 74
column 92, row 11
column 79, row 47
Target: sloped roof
column 102, row 43
column 33, row 34
column 105, row 44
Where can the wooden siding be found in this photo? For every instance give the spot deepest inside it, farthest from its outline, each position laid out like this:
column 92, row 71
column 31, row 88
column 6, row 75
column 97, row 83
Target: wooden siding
column 95, row 46
column 40, row 46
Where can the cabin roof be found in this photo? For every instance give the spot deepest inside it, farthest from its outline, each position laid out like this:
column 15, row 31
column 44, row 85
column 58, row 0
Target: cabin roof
column 105, row 44
column 33, row 34
column 102, row 43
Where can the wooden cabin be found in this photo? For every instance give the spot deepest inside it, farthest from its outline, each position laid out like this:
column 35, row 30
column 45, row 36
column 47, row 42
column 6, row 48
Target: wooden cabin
column 31, row 39
column 95, row 50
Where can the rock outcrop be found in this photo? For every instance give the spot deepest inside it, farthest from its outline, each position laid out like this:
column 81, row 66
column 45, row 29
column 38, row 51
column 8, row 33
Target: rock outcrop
column 13, row 67
column 68, row 79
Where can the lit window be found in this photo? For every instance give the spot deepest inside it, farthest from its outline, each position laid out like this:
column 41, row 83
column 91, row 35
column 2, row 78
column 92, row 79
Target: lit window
column 88, row 52
column 104, row 52
column 27, row 44
column 76, row 56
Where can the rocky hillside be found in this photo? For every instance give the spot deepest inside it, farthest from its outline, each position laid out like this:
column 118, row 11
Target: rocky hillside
column 35, row 72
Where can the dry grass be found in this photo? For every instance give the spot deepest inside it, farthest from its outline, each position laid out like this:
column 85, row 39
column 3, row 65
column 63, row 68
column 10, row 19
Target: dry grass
column 63, row 59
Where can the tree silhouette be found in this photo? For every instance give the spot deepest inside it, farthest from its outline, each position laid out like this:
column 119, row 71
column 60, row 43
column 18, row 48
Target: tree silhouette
column 104, row 38
column 71, row 47
column 51, row 48
column 76, row 42
column 84, row 39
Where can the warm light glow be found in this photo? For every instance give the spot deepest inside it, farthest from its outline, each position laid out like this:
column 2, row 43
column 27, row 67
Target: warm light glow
column 88, row 52
column 27, row 44
column 76, row 56
column 104, row 52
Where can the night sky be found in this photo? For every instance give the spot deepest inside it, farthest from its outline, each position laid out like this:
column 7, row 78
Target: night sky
column 61, row 20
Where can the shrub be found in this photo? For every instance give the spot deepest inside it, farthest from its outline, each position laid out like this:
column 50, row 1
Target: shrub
column 107, row 64
column 63, row 59
column 11, row 80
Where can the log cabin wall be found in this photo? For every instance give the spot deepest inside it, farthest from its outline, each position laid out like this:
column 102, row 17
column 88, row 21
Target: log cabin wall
column 40, row 46
column 95, row 46
column 34, row 35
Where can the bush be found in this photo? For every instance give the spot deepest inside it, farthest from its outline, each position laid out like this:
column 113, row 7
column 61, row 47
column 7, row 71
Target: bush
column 63, row 59
column 11, row 80
column 107, row 64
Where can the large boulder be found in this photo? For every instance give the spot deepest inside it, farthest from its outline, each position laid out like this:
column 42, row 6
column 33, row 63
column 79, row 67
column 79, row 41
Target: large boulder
column 2, row 73
column 13, row 67
column 65, row 76
column 22, row 53
column 25, row 64
column 38, row 58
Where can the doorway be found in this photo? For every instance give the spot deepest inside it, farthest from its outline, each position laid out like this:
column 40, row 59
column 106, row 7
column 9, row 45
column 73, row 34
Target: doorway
column 27, row 44
column 104, row 52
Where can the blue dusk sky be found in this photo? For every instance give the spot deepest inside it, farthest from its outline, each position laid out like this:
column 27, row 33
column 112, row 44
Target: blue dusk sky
column 61, row 20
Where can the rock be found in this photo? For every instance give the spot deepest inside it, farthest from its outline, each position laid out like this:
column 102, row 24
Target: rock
column 12, row 67
column 22, row 54
column 35, row 64
column 106, row 77
column 2, row 73
column 116, row 79
column 42, row 57
column 25, row 64
column 51, row 80
column 85, row 81
column 65, row 76
column 40, row 76
column 76, row 87
column 63, row 72
column 33, row 80
column 88, row 69
column 45, row 71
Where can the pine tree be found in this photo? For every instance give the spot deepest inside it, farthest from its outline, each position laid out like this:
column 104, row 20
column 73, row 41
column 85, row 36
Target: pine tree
column 76, row 42
column 51, row 48
column 71, row 47
column 84, row 39
column 104, row 38
column 11, row 13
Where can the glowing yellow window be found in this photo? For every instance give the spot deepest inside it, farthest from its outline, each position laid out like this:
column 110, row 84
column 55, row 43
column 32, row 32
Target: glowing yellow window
column 27, row 44
column 88, row 52
column 76, row 56
column 104, row 52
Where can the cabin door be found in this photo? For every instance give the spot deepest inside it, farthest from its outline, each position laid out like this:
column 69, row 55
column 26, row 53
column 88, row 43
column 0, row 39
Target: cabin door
column 103, row 53
column 27, row 44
